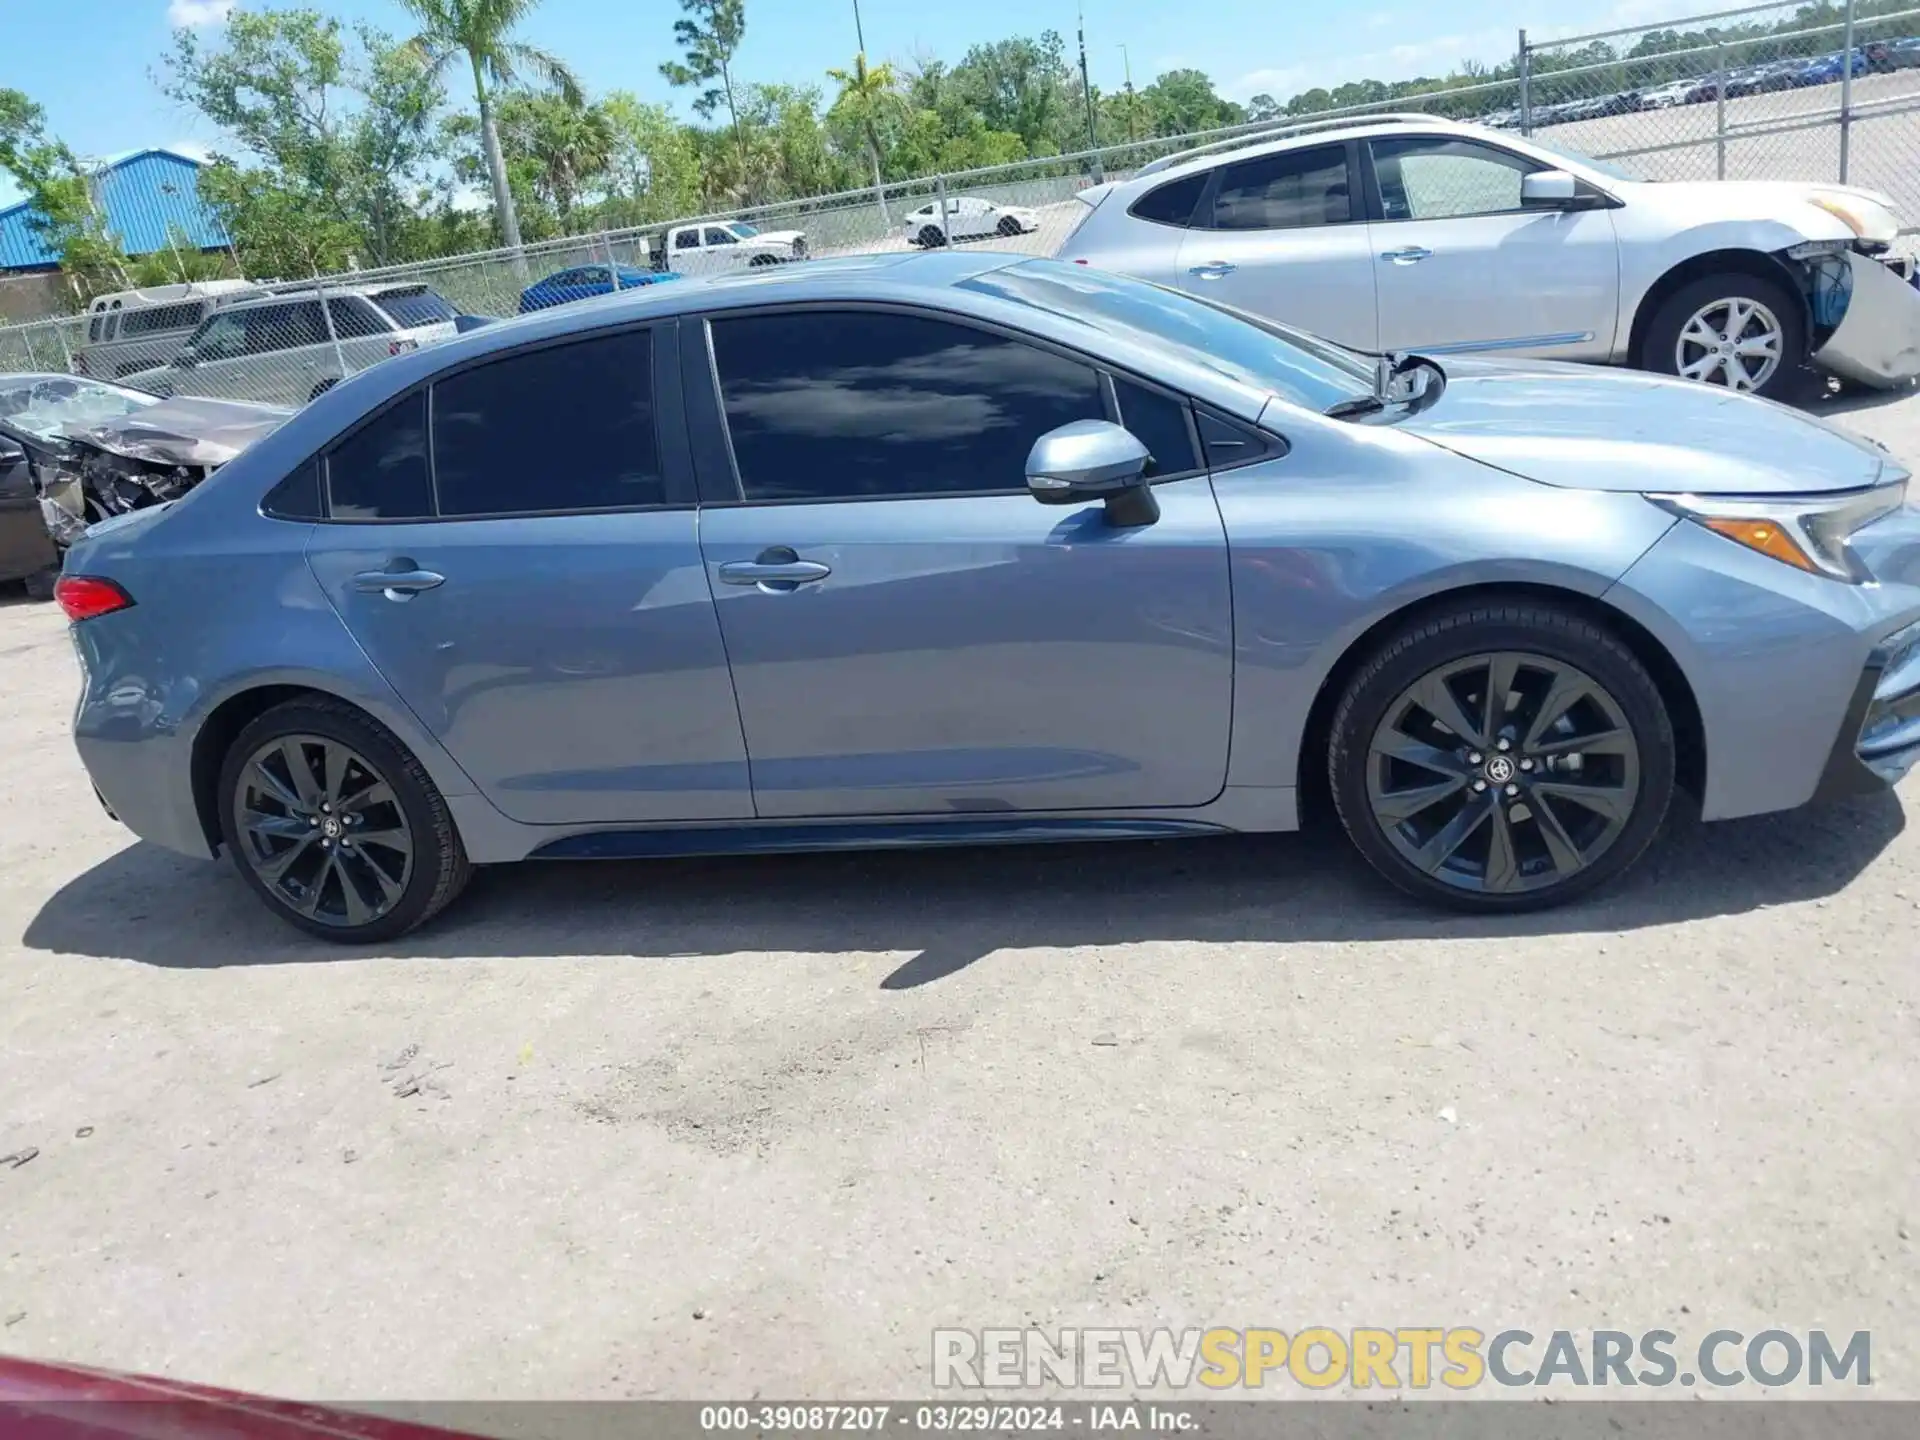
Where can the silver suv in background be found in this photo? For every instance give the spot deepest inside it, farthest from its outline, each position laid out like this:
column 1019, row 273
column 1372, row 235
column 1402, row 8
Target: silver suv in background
column 134, row 330
column 285, row 349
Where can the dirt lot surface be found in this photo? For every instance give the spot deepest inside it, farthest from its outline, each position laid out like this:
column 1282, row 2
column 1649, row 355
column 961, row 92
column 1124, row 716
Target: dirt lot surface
column 709, row 1129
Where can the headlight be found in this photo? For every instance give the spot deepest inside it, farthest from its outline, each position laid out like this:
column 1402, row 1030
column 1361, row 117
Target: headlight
column 1808, row 532
column 1867, row 219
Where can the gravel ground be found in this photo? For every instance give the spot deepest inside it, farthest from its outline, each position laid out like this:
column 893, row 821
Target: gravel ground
column 718, row 1128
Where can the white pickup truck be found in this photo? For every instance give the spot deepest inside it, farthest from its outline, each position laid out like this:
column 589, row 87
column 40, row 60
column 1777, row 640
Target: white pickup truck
column 716, row 245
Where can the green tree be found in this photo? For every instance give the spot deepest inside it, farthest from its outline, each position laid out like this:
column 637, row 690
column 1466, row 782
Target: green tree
column 709, row 34
column 59, row 198
column 1024, row 86
column 570, row 146
column 867, row 94
column 1182, row 101
column 480, row 31
column 654, row 165
column 336, row 133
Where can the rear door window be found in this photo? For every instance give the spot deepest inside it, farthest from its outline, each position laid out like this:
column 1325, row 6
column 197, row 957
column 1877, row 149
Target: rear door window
column 1287, row 191
column 354, row 319
column 565, row 428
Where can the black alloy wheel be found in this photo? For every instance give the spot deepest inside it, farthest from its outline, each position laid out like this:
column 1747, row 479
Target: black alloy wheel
column 336, row 825
column 1503, row 772
column 1501, row 765
column 323, row 830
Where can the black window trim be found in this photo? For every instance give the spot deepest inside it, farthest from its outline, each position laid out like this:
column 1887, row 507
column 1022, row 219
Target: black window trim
column 1267, row 445
column 722, row 489
column 1360, row 203
column 670, row 437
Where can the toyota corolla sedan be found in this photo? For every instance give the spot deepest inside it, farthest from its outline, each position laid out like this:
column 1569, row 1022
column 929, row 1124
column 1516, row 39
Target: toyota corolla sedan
column 951, row 549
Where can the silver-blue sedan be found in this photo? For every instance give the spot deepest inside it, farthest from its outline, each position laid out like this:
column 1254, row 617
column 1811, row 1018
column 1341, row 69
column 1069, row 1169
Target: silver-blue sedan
column 951, row 549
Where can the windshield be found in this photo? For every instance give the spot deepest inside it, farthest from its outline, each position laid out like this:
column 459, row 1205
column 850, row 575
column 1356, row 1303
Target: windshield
column 743, row 230
column 1254, row 352
column 1567, row 152
column 50, row 406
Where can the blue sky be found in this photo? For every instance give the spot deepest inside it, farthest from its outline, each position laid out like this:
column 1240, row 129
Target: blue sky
column 91, row 61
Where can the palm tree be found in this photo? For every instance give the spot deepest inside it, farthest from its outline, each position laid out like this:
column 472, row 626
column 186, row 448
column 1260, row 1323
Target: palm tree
column 868, row 92
column 479, row 30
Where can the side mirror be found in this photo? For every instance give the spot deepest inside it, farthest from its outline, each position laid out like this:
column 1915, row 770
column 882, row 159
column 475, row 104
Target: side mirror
column 1093, row 460
column 12, row 453
column 1548, row 190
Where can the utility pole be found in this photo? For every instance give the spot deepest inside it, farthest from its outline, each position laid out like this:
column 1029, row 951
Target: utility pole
column 859, row 33
column 1086, row 89
column 1128, row 63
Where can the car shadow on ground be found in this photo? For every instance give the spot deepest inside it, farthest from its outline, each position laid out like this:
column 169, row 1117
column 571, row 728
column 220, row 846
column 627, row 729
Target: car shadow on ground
column 1853, row 399
column 948, row 908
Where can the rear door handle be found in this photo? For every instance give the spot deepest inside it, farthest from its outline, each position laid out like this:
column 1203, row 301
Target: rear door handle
column 1412, row 255
column 1212, row 270
column 402, row 582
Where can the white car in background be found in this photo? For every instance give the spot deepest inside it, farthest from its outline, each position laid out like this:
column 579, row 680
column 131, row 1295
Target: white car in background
column 1411, row 233
column 1667, row 96
column 968, row 218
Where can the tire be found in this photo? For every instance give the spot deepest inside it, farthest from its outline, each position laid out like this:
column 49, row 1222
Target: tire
column 931, row 237
column 421, row 876
column 1627, row 767
column 1009, row 226
column 40, row 584
column 763, row 260
column 321, row 387
column 1659, row 349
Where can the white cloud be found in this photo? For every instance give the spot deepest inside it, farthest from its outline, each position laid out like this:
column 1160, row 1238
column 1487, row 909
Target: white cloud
column 197, row 14
column 1398, row 62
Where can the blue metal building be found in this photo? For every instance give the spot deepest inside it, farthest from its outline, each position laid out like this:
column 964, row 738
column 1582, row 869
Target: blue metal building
column 142, row 195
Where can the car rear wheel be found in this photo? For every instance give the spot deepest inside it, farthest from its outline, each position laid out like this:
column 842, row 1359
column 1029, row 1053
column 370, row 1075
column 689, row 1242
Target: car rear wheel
column 1009, row 226
column 1739, row 331
column 1502, row 758
column 336, row 826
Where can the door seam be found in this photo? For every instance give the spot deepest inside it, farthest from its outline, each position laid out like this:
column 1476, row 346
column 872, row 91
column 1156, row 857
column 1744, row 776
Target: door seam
column 733, row 686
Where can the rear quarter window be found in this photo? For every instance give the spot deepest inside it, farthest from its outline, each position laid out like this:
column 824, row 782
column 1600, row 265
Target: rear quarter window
column 1172, row 203
column 411, row 308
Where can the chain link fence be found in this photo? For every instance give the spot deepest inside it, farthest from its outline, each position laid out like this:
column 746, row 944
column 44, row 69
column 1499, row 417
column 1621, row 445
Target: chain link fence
column 1765, row 92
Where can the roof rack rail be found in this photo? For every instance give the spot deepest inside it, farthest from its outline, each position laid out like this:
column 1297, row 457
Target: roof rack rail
column 1281, row 132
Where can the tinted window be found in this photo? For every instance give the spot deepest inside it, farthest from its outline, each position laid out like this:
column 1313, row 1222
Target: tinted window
column 297, row 497
column 845, row 406
column 1284, row 191
column 415, row 307
column 687, row 240
column 1437, row 179
column 161, row 317
column 93, row 328
column 283, row 327
column 565, row 428
column 1172, row 203
column 717, row 236
column 380, row 471
column 354, row 319
column 1158, row 422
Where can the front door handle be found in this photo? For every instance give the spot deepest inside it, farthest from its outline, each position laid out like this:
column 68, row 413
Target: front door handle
column 1412, row 255
column 775, row 570
column 402, row 582
column 1212, row 270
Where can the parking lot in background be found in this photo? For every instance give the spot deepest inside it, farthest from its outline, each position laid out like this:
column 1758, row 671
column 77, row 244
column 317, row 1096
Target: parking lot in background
column 759, row 1126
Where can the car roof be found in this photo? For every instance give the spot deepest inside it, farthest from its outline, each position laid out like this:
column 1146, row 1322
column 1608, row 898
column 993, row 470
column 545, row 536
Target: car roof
column 283, row 297
column 1299, row 135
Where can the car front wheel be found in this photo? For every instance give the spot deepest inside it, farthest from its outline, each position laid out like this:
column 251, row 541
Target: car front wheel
column 336, row 826
column 1740, row 331
column 1502, row 758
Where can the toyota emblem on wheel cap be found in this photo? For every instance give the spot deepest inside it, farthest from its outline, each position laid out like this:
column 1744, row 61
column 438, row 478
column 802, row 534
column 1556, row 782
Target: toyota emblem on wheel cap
column 1500, row 769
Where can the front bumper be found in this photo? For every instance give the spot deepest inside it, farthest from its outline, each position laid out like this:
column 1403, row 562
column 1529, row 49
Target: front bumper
column 1879, row 739
column 1877, row 341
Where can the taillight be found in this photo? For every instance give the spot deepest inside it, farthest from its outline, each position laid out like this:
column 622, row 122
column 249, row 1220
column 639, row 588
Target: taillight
column 85, row 597
column 400, row 347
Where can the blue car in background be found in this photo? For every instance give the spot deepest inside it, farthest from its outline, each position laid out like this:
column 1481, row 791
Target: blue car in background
column 585, row 281
column 1827, row 69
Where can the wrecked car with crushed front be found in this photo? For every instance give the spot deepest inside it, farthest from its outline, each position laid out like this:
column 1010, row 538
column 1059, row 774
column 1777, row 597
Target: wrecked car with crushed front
column 75, row 451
